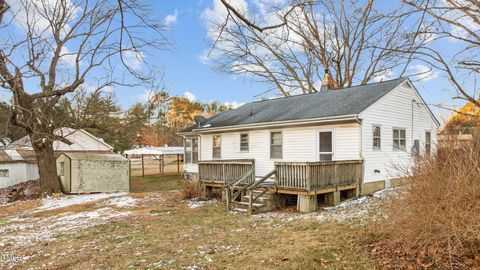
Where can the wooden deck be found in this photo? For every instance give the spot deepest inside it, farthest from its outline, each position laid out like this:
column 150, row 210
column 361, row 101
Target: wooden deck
column 289, row 177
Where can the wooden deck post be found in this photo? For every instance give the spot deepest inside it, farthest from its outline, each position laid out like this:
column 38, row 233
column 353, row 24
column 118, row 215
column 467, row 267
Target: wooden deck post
column 307, row 203
column 159, row 164
column 178, row 163
column 143, row 168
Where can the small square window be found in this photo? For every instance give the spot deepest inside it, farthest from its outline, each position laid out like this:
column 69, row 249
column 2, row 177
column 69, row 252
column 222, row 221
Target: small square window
column 4, row 173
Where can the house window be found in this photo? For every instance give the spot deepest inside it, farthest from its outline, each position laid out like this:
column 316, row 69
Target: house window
column 244, row 142
column 188, row 151
column 326, row 146
column 217, row 146
column 191, row 150
column 428, row 142
column 276, row 145
column 195, row 150
column 376, row 137
column 399, row 139
column 62, row 168
column 3, row 173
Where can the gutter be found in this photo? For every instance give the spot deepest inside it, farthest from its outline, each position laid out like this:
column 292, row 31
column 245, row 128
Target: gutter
column 353, row 117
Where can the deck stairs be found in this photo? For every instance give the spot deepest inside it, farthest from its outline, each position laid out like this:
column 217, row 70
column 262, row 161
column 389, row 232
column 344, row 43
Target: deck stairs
column 264, row 203
column 256, row 197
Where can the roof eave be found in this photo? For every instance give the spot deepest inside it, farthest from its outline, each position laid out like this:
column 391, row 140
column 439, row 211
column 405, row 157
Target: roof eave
column 275, row 124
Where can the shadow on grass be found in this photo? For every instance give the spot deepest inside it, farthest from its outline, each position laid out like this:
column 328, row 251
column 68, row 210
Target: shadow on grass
column 156, row 182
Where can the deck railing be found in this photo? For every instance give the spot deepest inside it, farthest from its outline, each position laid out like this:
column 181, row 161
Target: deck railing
column 290, row 175
column 224, row 171
column 317, row 175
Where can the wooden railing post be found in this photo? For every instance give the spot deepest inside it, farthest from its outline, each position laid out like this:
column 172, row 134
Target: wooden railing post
column 309, row 179
column 228, row 197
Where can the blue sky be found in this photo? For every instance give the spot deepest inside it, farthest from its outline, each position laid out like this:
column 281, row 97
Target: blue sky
column 187, row 73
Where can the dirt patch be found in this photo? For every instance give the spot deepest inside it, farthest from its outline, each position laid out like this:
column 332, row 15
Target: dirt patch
column 24, row 191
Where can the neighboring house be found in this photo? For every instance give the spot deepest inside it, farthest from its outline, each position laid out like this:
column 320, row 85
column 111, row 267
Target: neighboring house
column 321, row 147
column 80, row 140
column 18, row 163
column 17, row 166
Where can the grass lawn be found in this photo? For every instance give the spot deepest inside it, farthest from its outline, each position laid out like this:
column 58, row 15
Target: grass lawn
column 161, row 231
column 156, row 182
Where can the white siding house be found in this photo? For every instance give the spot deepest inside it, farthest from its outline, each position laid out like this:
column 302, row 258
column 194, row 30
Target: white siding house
column 18, row 163
column 378, row 124
column 17, row 167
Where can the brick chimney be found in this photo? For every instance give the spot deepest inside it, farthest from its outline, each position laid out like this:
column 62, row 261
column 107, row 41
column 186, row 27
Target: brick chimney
column 328, row 82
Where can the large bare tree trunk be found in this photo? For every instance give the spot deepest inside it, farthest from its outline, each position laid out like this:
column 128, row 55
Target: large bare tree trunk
column 47, row 166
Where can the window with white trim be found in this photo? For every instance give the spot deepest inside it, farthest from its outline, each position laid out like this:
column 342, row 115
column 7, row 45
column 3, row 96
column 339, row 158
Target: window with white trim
column 188, row 150
column 325, row 146
column 276, row 143
column 399, row 139
column 4, row 173
column 191, row 150
column 216, row 146
column 377, row 141
column 428, row 142
column 244, row 142
column 194, row 150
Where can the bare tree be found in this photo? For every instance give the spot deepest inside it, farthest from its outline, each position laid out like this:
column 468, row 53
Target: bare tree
column 48, row 49
column 303, row 39
column 456, row 23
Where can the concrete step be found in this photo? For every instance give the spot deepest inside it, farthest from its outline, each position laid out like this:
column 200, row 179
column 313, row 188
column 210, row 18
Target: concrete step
column 241, row 210
column 247, row 204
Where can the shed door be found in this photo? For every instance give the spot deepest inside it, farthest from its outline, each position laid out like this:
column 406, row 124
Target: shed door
column 326, row 146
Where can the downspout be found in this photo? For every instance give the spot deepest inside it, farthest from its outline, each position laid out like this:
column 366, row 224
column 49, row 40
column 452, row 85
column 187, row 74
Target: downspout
column 360, row 184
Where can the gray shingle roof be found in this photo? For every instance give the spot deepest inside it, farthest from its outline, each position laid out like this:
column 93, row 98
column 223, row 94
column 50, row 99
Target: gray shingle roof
column 329, row 103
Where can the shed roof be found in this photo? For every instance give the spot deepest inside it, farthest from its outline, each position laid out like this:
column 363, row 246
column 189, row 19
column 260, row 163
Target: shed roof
column 17, row 155
column 94, row 156
column 329, row 103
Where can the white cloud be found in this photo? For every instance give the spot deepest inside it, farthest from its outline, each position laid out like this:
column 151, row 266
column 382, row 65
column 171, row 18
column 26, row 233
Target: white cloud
column 90, row 88
column 190, row 96
column 423, row 73
column 146, row 95
column 171, row 19
column 383, row 75
column 234, row 104
column 67, row 57
column 35, row 15
column 133, row 59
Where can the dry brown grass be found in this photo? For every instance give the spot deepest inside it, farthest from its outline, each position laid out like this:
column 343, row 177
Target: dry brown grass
column 437, row 221
column 190, row 189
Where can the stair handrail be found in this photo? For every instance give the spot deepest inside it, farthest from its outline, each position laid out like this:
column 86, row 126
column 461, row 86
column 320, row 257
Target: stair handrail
column 229, row 187
column 252, row 187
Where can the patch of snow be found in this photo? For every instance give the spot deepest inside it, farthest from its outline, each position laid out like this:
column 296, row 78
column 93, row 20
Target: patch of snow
column 120, row 202
column 69, row 200
column 358, row 209
column 26, row 231
column 195, row 203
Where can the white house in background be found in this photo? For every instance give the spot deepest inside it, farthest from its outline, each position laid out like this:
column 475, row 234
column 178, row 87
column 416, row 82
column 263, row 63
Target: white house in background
column 80, row 139
column 369, row 129
column 18, row 163
column 17, row 166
